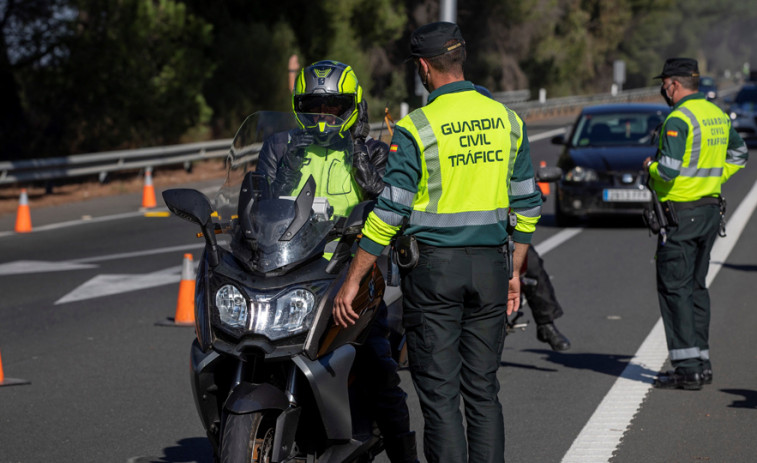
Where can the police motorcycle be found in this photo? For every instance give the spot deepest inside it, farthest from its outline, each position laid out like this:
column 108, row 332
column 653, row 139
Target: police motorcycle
column 270, row 370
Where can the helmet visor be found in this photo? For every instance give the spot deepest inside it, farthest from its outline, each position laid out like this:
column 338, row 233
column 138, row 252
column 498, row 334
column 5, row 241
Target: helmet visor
column 335, row 104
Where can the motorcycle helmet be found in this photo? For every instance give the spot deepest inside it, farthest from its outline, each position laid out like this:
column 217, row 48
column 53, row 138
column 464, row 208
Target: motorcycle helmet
column 327, row 88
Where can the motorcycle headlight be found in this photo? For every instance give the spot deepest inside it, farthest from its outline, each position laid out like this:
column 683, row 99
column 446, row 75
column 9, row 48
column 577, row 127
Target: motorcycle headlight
column 232, row 307
column 581, row 174
column 283, row 316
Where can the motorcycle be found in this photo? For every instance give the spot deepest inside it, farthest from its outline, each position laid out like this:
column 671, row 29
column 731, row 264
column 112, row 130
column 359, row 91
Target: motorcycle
column 270, row 370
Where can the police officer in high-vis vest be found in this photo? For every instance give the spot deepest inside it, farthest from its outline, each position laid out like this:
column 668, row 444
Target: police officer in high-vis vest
column 698, row 151
column 457, row 167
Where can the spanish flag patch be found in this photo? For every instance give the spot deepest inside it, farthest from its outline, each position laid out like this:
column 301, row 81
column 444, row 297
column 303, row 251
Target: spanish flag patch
column 393, row 147
column 672, row 133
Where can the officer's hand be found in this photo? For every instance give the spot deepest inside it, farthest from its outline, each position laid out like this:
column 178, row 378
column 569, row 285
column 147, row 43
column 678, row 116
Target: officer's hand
column 344, row 316
column 299, row 140
column 513, row 294
column 647, row 162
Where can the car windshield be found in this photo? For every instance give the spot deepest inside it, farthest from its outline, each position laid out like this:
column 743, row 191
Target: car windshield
column 614, row 129
column 707, row 81
column 746, row 95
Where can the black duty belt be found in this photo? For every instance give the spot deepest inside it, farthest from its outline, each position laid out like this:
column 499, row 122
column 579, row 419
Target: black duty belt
column 699, row 202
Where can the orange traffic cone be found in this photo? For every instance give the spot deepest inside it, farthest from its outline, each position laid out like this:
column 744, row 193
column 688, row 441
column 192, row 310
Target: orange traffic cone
column 544, row 186
column 148, row 192
column 10, row 381
column 185, row 303
column 23, row 217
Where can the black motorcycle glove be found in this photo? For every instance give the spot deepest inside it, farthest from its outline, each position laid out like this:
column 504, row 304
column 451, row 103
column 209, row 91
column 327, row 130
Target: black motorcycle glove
column 365, row 172
column 296, row 149
column 361, row 128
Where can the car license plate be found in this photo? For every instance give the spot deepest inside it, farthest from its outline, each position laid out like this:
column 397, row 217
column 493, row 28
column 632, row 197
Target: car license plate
column 623, row 195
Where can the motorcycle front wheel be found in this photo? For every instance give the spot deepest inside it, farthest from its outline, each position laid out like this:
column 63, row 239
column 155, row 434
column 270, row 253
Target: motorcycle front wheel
column 248, row 438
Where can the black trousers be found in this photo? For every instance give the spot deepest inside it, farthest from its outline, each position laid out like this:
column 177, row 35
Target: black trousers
column 682, row 265
column 455, row 302
column 538, row 290
column 375, row 393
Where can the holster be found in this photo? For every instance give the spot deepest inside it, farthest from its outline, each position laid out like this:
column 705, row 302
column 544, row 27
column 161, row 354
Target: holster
column 406, row 252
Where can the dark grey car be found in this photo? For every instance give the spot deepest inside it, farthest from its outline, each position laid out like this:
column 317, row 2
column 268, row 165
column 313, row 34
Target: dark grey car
column 602, row 160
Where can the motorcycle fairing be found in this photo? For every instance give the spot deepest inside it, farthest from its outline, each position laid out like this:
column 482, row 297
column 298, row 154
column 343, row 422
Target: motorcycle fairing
column 328, row 378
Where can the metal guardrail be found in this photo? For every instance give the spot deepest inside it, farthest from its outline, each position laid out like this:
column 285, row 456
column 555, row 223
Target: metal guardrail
column 46, row 169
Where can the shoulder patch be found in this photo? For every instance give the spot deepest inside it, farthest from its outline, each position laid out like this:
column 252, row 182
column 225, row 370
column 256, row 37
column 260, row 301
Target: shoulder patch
column 672, row 133
column 393, row 147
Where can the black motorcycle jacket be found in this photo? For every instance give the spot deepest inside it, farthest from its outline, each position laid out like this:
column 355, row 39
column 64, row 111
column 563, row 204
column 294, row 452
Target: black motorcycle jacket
column 368, row 164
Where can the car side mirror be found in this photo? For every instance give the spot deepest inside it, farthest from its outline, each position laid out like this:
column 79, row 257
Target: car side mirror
column 558, row 140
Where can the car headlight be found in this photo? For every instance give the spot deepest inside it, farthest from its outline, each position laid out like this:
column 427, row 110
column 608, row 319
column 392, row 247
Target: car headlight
column 733, row 115
column 581, row 174
column 232, row 307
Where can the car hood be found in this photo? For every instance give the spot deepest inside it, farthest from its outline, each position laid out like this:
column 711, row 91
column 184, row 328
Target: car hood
column 623, row 158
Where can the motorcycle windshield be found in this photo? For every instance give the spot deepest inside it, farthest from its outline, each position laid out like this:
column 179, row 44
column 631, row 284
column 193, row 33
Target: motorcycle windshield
column 282, row 197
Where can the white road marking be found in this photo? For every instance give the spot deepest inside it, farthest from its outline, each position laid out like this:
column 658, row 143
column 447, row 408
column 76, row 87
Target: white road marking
column 37, row 266
column 601, row 435
column 548, row 134
column 109, row 285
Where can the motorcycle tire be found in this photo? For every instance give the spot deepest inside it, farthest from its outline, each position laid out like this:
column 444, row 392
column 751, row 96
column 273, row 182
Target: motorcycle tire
column 248, row 438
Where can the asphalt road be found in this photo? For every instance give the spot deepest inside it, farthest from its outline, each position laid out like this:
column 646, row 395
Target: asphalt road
column 81, row 299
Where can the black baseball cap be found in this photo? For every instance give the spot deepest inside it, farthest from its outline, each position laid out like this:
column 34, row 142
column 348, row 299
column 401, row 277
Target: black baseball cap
column 685, row 67
column 431, row 39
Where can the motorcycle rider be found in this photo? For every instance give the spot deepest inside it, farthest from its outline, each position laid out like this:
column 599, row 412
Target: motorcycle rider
column 323, row 90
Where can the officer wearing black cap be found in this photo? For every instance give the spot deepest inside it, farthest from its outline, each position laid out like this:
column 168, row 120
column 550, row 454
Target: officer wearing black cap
column 698, row 151
column 456, row 168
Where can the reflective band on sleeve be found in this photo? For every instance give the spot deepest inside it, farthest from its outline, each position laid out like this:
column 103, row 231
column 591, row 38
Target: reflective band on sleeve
column 431, row 155
column 458, row 219
column 533, row 212
column 524, row 187
column 398, row 195
column 683, row 354
column 671, row 163
column 704, row 354
column 736, row 156
column 388, row 217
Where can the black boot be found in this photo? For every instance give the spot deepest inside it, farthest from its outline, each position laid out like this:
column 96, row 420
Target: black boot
column 548, row 333
column 401, row 448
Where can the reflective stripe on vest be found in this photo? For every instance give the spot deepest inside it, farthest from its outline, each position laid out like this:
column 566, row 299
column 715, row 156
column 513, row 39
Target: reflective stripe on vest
column 460, row 158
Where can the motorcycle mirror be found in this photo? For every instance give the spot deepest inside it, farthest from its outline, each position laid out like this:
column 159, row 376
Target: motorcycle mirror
column 195, row 207
column 548, row 174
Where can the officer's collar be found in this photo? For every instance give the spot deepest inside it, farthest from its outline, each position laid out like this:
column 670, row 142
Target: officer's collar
column 454, row 87
column 693, row 96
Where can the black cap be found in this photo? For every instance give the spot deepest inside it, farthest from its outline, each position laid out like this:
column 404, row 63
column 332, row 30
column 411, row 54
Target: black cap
column 685, row 67
column 429, row 40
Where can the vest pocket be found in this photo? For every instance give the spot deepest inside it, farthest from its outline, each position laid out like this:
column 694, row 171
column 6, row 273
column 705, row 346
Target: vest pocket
column 340, row 179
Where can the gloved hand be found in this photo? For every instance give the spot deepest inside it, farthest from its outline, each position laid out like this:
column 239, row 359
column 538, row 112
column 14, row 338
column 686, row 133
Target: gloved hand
column 295, row 153
column 361, row 128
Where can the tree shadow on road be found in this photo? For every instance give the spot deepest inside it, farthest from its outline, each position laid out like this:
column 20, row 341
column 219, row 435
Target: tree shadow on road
column 609, row 364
